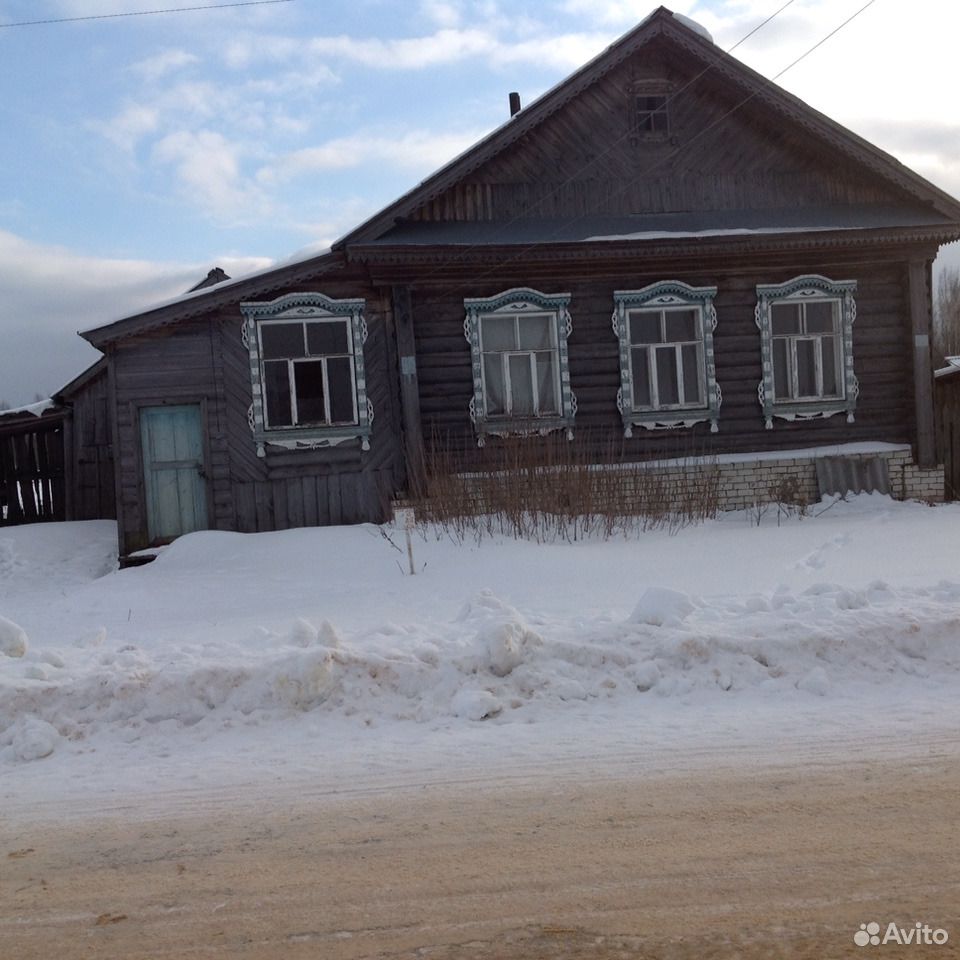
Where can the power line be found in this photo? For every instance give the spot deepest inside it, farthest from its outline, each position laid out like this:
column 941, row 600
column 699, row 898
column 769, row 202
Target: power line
column 143, row 13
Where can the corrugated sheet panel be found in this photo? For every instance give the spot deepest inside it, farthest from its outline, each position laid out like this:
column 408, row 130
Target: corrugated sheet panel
column 841, row 475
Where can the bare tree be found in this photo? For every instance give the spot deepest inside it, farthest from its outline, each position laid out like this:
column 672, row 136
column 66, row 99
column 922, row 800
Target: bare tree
column 946, row 316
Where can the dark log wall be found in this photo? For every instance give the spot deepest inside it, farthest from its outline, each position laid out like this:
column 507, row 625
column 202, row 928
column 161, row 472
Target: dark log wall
column 204, row 361
column 721, row 155
column 882, row 358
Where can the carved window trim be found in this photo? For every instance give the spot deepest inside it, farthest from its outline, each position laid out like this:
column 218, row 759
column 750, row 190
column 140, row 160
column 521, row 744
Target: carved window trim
column 306, row 307
column 517, row 302
column 664, row 296
column 810, row 288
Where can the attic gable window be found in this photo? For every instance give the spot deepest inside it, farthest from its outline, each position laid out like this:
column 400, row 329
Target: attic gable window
column 518, row 346
column 307, row 371
column 806, row 338
column 667, row 372
column 651, row 113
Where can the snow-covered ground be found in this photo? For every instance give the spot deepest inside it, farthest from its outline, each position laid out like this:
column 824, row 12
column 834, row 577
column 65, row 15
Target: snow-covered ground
column 312, row 656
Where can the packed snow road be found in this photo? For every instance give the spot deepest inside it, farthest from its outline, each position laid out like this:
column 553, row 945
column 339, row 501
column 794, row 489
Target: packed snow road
column 739, row 856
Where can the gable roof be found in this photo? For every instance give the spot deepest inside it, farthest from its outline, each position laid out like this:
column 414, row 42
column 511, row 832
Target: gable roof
column 661, row 23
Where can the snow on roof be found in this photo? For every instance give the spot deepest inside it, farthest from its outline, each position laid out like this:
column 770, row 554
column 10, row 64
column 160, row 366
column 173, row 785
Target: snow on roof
column 37, row 409
column 694, row 26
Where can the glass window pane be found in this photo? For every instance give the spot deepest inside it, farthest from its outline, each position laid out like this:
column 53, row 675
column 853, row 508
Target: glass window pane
column 521, row 385
column 340, row 386
column 668, row 390
column 327, row 337
column 493, row 378
column 781, row 369
column 497, row 333
column 282, row 340
column 806, row 368
column 681, row 325
column 641, row 378
column 535, row 332
column 277, row 388
column 691, row 373
column 308, row 375
column 820, row 317
column 785, row 318
column 645, row 327
column 828, row 348
column 547, row 383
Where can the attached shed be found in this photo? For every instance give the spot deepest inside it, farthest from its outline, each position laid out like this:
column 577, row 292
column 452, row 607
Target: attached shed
column 666, row 248
column 56, row 458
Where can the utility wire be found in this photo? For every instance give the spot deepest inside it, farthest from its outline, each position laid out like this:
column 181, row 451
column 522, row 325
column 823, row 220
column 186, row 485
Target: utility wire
column 143, row 13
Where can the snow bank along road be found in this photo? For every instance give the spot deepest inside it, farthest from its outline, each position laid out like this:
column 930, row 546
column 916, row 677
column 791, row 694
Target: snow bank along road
column 739, row 857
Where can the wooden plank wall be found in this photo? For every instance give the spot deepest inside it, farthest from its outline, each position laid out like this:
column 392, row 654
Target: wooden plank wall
column 93, row 490
column 204, row 361
column 881, row 358
column 32, row 480
column 948, row 434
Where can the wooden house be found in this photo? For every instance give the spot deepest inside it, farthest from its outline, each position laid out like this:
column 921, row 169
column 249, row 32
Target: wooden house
column 665, row 245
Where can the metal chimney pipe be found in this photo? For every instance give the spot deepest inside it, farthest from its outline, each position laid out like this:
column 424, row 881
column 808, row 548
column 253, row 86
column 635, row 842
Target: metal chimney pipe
column 514, row 104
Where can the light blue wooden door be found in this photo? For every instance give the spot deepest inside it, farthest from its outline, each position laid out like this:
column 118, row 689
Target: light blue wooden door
column 174, row 478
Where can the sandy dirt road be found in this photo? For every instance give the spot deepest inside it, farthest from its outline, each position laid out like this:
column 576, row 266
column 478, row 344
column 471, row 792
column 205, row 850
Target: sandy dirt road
column 739, row 860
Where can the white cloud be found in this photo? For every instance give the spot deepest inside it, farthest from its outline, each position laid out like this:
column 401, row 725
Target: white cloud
column 441, row 12
column 50, row 292
column 207, row 170
column 159, row 65
column 130, row 125
column 417, row 150
column 443, row 47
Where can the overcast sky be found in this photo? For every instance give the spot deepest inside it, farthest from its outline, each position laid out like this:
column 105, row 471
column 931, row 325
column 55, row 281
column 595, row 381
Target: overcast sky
column 138, row 152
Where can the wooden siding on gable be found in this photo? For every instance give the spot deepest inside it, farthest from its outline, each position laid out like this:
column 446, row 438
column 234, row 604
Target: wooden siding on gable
column 721, row 154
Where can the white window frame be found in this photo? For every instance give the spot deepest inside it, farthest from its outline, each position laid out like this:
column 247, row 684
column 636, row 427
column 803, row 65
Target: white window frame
column 811, row 288
column 519, row 302
column 306, row 309
column 661, row 298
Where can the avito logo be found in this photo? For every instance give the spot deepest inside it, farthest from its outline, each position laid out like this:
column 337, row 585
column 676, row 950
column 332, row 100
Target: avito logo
column 919, row 933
